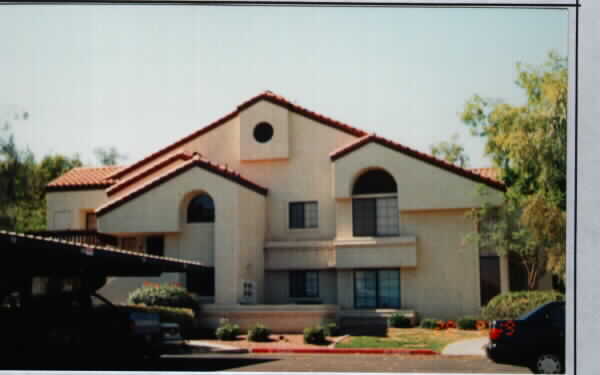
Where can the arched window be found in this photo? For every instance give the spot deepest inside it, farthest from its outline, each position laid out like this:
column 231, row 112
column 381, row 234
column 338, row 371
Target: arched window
column 375, row 216
column 201, row 210
column 375, row 181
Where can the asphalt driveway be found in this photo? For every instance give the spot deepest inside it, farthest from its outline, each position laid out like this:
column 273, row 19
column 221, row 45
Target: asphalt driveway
column 289, row 363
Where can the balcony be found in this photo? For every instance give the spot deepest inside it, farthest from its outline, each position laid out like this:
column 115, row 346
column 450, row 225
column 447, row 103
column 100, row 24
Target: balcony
column 376, row 252
column 90, row 237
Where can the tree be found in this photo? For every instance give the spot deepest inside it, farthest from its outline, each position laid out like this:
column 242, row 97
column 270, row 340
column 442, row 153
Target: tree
column 452, row 152
column 528, row 143
column 23, row 182
column 109, row 156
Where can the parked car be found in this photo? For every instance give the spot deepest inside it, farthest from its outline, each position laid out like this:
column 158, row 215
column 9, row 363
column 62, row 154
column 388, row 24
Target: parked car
column 536, row 339
column 72, row 322
column 171, row 339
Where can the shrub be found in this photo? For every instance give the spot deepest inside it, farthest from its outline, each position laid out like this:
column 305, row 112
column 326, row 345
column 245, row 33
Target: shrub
column 467, row 322
column 398, row 320
column 511, row 305
column 331, row 329
column 429, row 323
column 441, row 325
column 182, row 316
column 451, row 324
column 227, row 331
column 314, row 335
column 163, row 295
column 259, row 333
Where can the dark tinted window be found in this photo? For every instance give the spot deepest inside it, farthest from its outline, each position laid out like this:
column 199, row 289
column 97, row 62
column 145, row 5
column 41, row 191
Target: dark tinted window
column 202, row 282
column 201, row 210
column 364, row 217
column 304, row 215
column 375, row 181
column 263, row 132
column 377, row 289
column 304, row 284
column 296, row 215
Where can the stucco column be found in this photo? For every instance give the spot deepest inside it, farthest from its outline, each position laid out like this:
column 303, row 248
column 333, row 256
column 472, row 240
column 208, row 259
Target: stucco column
column 504, row 274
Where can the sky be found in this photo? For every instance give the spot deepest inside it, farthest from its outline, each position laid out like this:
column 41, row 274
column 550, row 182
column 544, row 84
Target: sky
column 141, row 77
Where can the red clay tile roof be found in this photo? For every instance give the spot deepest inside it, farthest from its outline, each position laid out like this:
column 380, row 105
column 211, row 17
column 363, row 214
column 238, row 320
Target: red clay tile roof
column 92, row 178
column 181, row 155
column 195, row 161
column 83, row 179
column 268, row 96
column 475, row 176
column 493, row 173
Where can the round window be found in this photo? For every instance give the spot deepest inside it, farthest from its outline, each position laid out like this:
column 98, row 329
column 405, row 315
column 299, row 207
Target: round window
column 263, row 132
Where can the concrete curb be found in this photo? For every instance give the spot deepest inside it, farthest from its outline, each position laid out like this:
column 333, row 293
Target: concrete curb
column 343, row 351
column 467, row 347
column 201, row 347
column 336, row 341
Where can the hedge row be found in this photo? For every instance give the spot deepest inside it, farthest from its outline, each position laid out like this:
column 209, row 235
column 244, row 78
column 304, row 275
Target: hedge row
column 163, row 295
column 514, row 304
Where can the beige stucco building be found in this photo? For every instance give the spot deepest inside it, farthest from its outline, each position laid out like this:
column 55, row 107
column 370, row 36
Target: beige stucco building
column 298, row 217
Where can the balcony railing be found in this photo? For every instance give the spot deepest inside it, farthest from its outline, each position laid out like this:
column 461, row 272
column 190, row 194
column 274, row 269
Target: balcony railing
column 90, row 237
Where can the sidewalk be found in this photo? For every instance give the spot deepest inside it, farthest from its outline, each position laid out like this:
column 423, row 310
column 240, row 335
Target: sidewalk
column 199, row 346
column 467, row 347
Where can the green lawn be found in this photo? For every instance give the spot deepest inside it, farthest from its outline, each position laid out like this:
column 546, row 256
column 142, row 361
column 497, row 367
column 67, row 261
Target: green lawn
column 411, row 338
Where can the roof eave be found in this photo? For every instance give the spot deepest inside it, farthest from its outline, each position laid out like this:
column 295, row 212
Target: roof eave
column 446, row 166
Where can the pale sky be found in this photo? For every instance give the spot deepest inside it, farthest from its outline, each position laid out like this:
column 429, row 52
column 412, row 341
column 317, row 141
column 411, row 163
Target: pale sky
column 141, row 77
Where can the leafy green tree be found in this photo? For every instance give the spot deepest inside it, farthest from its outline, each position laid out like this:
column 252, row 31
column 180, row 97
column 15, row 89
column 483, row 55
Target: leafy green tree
column 23, row 182
column 451, row 151
column 109, row 156
column 528, row 143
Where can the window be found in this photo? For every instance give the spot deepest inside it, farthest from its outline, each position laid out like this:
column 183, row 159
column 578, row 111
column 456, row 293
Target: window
column 375, row 216
column 155, row 245
column 201, row 210
column 202, row 283
column 377, row 289
column 304, row 215
column 263, row 132
column 304, row 284
column 90, row 221
column 374, row 181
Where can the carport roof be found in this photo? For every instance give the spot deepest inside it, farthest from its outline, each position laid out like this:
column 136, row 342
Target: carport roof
column 25, row 253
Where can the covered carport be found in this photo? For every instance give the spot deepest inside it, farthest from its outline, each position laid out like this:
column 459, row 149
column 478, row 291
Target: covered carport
column 23, row 256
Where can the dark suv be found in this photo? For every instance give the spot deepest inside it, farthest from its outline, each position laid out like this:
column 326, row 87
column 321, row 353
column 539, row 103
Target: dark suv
column 536, row 339
column 73, row 322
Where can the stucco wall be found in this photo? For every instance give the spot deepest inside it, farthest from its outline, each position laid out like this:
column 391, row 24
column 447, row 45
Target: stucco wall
column 77, row 203
column 280, row 319
column 421, row 186
column 197, row 242
column 220, row 145
column 445, row 284
column 278, row 146
column 252, row 230
column 159, row 210
column 305, row 176
column 299, row 258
